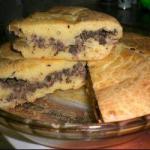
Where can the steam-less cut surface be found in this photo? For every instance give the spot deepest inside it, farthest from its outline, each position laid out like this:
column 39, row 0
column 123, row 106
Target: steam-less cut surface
column 66, row 33
column 23, row 80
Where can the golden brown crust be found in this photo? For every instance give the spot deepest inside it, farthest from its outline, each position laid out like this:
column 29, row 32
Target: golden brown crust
column 122, row 81
column 125, row 100
column 120, row 58
column 64, row 19
column 66, row 15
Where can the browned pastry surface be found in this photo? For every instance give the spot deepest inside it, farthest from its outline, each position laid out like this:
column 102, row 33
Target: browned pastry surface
column 121, row 81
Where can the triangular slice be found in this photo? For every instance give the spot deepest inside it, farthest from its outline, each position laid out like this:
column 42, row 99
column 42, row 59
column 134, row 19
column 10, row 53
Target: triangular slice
column 71, row 33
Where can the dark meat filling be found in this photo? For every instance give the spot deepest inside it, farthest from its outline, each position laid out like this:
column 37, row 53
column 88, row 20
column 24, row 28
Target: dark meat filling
column 38, row 41
column 100, row 35
column 57, row 45
column 21, row 87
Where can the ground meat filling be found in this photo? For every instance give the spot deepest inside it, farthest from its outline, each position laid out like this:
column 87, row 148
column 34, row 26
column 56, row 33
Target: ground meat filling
column 21, row 87
column 100, row 35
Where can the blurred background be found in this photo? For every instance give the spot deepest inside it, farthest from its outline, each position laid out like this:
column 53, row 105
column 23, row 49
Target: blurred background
column 134, row 15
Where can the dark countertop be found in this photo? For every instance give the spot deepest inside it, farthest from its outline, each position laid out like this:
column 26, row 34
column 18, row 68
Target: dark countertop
column 4, row 144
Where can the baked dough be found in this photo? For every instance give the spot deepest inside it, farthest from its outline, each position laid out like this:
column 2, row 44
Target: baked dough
column 72, row 33
column 23, row 80
column 121, row 82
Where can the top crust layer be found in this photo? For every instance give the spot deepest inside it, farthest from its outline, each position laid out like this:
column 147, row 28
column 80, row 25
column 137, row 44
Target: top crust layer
column 66, row 15
column 65, row 22
column 120, row 65
column 33, row 70
column 121, row 81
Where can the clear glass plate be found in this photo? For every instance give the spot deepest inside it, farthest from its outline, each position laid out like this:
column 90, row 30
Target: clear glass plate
column 69, row 123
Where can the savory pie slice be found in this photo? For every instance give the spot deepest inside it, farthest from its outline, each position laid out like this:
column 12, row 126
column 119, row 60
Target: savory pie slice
column 71, row 33
column 121, row 83
column 23, row 80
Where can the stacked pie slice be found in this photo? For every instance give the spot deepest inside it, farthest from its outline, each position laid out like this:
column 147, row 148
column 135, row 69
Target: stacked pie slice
column 51, row 52
column 68, row 33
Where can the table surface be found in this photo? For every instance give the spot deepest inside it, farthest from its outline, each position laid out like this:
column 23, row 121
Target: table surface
column 142, row 142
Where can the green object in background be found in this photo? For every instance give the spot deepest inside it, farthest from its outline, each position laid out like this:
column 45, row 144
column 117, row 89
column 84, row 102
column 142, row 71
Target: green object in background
column 145, row 3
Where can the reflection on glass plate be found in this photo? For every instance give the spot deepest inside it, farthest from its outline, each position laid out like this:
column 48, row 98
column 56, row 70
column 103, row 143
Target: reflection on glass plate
column 65, row 119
